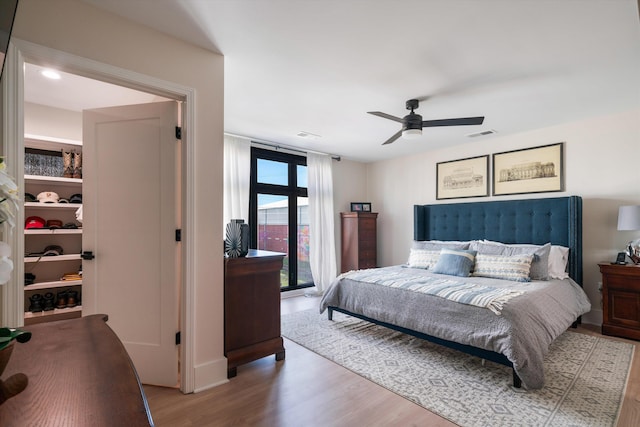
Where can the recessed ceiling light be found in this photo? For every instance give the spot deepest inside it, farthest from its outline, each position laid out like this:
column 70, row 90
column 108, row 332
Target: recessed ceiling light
column 50, row 74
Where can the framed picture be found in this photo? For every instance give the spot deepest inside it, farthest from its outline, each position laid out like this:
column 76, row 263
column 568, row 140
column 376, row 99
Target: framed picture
column 360, row 207
column 463, row 178
column 530, row 170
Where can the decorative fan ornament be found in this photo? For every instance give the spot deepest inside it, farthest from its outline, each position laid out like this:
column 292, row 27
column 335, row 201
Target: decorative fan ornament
column 236, row 243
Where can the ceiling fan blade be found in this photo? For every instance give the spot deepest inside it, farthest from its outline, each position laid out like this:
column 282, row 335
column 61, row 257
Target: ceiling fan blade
column 385, row 116
column 393, row 138
column 463, row 121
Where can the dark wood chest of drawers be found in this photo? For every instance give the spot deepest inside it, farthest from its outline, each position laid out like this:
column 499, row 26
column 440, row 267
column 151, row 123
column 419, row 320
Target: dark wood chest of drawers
column 621, row 300
column 359, row 248
column 252, row 308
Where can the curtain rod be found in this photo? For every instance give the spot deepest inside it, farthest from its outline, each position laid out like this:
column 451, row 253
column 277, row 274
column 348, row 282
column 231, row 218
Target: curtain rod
column 280, row 146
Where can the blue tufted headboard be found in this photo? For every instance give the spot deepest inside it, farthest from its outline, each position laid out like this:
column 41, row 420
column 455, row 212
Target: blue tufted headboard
column 537, row 221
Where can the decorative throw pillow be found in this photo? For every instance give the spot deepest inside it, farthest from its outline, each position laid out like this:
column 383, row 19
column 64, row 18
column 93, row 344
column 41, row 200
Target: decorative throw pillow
column 539, row 265
column 421, row 258
column 436, row 245
column 507, row 267
column 455, row 262
column 558, row 258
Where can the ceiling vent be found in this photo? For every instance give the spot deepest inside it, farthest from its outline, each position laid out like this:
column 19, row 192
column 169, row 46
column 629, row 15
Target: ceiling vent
column 483, row 133
column 309, row 135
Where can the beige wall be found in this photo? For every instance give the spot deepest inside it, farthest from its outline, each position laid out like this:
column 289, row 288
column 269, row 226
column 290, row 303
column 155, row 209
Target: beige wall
column 601, row 166
column 43, row 120
column 349, row 185
column 83, row 30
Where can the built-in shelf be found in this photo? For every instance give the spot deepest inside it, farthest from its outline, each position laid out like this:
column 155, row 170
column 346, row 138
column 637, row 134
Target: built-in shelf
column 52, row 258
column 58, row 180
column 45, row 142
column 55, row 284
column 48, row 272
column 56, row 231
column 51, row 315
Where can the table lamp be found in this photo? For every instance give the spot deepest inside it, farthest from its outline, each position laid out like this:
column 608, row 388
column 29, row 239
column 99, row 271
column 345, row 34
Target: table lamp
column 629, row 219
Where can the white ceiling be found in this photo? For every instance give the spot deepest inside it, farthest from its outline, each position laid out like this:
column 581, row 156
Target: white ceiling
column 319, row 66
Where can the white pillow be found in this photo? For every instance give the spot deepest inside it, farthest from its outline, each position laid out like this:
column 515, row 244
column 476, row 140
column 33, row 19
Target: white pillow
column 436, row 245
column 558, row 258
column 423, row 258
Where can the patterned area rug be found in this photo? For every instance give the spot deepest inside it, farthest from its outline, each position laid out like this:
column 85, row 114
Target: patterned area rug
column 585, row 375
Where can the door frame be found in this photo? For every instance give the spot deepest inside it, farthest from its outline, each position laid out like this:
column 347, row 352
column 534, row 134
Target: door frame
column 21, row 51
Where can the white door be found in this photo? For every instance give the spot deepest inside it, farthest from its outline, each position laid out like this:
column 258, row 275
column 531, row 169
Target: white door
column 129, row 220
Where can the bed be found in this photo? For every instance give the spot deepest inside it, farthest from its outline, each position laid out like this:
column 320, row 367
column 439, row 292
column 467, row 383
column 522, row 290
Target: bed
column 522, row 318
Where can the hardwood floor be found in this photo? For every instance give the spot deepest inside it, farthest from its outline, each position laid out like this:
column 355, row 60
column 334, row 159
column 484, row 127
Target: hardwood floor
column 309, row 390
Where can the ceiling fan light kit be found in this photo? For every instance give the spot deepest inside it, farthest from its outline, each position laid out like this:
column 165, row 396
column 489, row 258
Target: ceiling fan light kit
column 412, row 133
column 412, row 123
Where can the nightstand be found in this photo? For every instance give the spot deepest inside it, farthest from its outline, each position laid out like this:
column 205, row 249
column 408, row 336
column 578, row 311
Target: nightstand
column 621, row 300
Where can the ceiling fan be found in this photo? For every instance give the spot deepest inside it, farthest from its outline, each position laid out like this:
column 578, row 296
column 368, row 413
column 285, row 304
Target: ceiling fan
column 412, row 123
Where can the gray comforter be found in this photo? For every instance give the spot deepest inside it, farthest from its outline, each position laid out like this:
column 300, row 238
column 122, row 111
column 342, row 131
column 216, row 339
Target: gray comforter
column 523, row 332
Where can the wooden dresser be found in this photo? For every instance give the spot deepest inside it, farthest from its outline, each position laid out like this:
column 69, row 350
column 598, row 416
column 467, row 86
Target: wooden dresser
column 252, row 308
column 621, row 300
column 79, row 375
column 358, row 240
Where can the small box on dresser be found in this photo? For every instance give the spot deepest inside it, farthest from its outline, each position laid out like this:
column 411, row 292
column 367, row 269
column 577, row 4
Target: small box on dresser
column 621, row 300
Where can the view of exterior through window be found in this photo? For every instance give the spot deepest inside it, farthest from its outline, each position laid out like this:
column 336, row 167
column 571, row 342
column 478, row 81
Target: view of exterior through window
column 279, row 212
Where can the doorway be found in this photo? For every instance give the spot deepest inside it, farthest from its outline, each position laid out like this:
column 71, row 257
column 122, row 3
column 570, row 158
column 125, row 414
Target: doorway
column 22, row 53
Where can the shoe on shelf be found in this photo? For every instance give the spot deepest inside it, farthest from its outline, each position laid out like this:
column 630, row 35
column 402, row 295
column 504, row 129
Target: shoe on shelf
column 48, row 299
column 72, row 298
column 35, row 305
column 61, row 299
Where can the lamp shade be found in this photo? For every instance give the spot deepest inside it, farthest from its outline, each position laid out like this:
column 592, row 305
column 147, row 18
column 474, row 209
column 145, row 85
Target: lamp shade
column 629, row 218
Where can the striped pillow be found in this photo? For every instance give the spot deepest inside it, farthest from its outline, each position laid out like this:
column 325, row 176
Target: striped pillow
column 507, row 267
column 422, row 258
column 455, row 262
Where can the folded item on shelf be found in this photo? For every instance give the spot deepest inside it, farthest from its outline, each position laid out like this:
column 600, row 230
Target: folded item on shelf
column 70, row 225
column 79, row 214
column 52, row 250
column 34, row 222
column 48, row 197
column 54, row 223
column 71, row 276
column 29, row 278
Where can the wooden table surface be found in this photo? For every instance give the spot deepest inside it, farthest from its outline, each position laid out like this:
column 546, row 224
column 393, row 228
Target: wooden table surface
column 79, row 375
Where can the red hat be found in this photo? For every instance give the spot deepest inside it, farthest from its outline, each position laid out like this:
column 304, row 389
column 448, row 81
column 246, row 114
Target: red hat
column 34, row 222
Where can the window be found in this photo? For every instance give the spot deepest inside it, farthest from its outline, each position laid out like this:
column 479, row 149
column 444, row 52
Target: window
column 278, row 212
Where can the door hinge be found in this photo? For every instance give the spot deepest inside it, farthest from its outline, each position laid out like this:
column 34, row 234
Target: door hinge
column 178, row 132
column 178, row 338
column 178, row 235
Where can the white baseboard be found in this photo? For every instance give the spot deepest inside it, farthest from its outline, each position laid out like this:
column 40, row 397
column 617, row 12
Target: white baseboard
column 210, row 374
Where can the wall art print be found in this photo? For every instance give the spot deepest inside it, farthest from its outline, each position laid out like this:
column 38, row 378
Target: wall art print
column 530, row 170
column 463, row 178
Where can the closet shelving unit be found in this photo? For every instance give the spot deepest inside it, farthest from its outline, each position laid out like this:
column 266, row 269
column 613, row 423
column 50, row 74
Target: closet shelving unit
column 49, row 270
